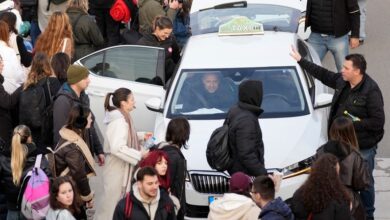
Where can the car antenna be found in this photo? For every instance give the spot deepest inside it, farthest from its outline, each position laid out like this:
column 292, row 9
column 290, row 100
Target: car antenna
column 240, row 4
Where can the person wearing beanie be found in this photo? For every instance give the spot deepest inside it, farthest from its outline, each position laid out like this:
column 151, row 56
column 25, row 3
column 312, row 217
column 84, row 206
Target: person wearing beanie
column 245, row 137
column 237, row 203
column 72, row 93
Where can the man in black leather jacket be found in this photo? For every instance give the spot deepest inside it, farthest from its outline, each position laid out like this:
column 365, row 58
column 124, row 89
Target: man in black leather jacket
column 357, row 96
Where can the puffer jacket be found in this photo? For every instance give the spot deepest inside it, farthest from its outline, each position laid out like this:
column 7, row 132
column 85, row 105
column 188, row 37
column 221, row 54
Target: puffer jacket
column 245, row 137
column 364, row 101
column 148, row 10
column 7, row 186
column 86, row 34
column 74, row 158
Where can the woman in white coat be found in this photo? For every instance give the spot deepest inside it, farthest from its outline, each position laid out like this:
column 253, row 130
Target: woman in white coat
column 122, row 149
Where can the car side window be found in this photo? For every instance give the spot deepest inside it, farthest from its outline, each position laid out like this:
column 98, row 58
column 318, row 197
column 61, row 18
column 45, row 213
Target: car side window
column 304, row 51
column 132, row 63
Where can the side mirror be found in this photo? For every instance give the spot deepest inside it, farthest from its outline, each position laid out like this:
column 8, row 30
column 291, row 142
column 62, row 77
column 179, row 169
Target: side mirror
column 323, row 100
column 153, row 104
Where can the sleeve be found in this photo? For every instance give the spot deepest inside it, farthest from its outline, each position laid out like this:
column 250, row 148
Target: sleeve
column 117, row 133
column 61, row 109
column 9, row 101
column 97, row 145
column 361, row 175
column 76, row 163
column 325, row 76
column 119, row 213
column 25, row 56
column 375, row 119
column 246, row 142
column 354, row 17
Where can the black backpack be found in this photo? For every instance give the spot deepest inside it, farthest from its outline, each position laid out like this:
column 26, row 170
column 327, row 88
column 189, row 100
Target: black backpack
column 32, row 104
column 218, row 151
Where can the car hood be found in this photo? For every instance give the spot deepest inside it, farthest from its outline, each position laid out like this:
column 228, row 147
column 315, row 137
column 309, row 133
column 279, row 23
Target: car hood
column 286, row 141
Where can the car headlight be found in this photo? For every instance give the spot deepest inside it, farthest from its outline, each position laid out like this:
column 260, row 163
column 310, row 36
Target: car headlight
column 301, row 167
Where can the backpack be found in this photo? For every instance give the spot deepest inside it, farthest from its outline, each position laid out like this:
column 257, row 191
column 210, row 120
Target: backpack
column 32, row 104
column 218, row 152
column 35, row 200
column 52, row 160
column 47, row 119
column 128, row 206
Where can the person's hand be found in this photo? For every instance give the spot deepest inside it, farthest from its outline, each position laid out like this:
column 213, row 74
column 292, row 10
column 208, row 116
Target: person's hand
column 174, row 4
column 277, row 179
column 354, row 42
column 294, row 54
column 101, row 159
column 89, row 204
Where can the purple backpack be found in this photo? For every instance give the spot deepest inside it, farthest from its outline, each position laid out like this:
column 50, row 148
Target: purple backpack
column 35, row 200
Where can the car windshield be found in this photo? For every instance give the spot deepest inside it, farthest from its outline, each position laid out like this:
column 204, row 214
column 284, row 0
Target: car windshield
column 273, row 18
column 209, row 93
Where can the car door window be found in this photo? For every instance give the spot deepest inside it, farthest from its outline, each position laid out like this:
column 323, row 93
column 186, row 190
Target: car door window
column 305, row 53
column 132, row 63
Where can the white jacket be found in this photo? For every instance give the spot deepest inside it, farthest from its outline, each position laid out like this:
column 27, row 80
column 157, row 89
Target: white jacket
column 9, row 5
column 14, row 76
column 234, row 206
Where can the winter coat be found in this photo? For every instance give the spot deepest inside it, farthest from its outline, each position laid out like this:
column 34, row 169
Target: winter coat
column 334, row 211
column 65, row 99
column 354, row 172
column 276, row 210
column 160, row 208
column 59, row 214
column 245, row 137
column 233, row 206
column 7, row 186
column 364, row 101
column 86, row 34
column 7, row 104
column 44, row 14
column 119, row 161
column 13, row 74
column 53, row 85
column 181, row 28
column 75, row 160
column 177, row 172
column 148, row 10
column 172, row 50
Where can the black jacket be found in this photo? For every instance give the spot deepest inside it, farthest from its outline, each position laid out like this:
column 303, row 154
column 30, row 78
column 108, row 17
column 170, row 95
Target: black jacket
column 165, row 209
column 334, row 211
column 276, row 210
column 245, row 137
column 7, row 186
column 7, row 104
column 65, row 99
column 346, row 17
column 364, row 101
column 100, row 4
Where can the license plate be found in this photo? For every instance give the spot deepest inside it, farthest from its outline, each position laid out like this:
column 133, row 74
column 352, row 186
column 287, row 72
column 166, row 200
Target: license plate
column 213, row 198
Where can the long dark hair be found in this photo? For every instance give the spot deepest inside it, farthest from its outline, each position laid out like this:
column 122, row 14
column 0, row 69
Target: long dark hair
column 118, row 95
column 178, row 132
column 10, row 19
column 55, row 188
column 342, row 130
column 323, row 185
column 60, row 63
column 78, row 118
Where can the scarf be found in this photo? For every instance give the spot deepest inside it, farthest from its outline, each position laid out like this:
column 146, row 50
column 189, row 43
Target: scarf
column 132, row 139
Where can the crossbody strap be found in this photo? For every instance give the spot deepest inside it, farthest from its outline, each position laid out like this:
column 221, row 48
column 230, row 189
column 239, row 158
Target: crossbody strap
column 38, row 161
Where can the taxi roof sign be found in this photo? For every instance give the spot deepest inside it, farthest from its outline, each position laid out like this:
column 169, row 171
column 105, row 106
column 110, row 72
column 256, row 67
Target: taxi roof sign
column 241, row 26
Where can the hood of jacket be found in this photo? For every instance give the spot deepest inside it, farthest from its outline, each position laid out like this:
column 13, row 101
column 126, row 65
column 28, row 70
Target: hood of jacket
column 112, row 116
column 250, row 96
column 233, row 206
column 337, row 148
column 68, row 92
column 277, row 207
column 149, row 206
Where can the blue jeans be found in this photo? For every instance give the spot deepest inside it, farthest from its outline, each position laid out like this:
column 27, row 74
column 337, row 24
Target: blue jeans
column 363, row 14
column 368, row 196
column 339, row 47
column 34, row 32
column 15, row 215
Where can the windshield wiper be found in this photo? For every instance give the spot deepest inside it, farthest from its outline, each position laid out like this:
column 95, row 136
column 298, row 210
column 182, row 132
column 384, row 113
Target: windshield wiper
column 240, row 4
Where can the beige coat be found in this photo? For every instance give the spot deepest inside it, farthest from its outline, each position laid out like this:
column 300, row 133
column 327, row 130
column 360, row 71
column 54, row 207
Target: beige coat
column 120, row 161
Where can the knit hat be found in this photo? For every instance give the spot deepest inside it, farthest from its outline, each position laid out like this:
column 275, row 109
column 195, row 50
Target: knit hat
column 240, row 182
column 76, row 73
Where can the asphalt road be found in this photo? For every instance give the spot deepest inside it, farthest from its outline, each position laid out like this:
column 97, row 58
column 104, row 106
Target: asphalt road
column 376, row 49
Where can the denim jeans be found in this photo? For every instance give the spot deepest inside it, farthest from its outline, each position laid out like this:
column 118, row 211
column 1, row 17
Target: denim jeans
column 338, row 46
column 363, row 14
column 34, row 32
column 15, row 215
column 368, row 196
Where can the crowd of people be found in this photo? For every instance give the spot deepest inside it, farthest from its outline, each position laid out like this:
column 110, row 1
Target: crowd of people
column 44, row 110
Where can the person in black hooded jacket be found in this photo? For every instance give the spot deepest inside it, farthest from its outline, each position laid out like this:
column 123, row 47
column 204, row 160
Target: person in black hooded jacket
column 161, row 36
column 245, row 137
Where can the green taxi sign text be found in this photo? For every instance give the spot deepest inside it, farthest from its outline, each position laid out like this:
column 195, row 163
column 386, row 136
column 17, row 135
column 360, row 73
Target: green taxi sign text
column 241, row 26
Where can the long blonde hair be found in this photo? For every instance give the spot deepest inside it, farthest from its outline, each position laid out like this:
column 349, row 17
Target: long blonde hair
column 19, row 151
column 57, row 30
column 40, row 68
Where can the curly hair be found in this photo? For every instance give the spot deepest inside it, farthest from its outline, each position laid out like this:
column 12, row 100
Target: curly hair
column 151, row 160
column 323, row 185
column 51, row 40
column 40, row 68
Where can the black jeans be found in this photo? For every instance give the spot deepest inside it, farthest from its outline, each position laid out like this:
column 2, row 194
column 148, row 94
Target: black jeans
column 108, row 27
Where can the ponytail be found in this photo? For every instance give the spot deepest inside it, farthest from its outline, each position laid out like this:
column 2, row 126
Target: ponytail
column 118, row 95
column 19, row 152
column 107, row 105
